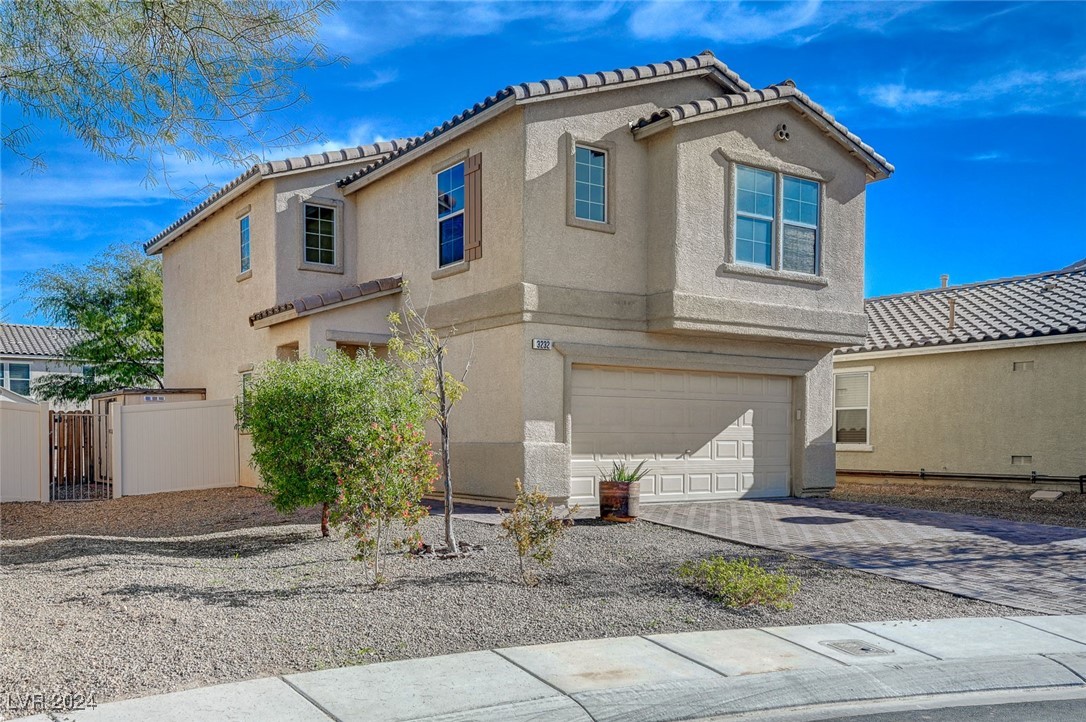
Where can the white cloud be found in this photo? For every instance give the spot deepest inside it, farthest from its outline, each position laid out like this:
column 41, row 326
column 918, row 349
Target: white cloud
column 365, row 30
column 744, row 23
column 1016, row 90
column 378, row 78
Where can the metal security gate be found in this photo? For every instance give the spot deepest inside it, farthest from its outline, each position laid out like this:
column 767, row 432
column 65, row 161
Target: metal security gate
column 79, row 456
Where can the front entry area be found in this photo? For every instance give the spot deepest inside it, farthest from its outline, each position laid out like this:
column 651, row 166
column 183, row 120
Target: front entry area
column 702, row 435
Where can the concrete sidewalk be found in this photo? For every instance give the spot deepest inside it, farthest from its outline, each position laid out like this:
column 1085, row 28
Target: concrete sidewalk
column 665, row 677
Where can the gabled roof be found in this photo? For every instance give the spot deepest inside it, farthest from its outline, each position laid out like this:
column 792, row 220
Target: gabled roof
column 1076, row 266
column 704, row 63
column 321, row 301
column 18, row 339
column 1042, row 305
column 267, row 170
column 781, row 92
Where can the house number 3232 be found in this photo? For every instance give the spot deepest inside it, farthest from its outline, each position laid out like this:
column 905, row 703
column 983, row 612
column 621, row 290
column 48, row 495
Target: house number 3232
column 542, row 344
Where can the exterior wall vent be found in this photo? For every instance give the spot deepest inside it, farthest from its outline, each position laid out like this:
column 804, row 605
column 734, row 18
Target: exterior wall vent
column 1023, row 365
column 1022, row 460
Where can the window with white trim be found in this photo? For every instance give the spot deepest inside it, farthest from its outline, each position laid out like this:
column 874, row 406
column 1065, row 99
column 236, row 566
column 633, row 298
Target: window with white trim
column 320, row 235
column 16, row 377
column 450, row 215
column 243, row 239
column 590, row 184
column 776, row 235
column 851, row 407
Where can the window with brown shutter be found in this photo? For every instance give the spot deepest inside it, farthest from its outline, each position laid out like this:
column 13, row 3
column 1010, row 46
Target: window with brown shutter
column 473, row 208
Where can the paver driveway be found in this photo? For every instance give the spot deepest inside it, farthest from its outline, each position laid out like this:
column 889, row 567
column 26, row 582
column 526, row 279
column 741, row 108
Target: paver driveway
column 1029, row 566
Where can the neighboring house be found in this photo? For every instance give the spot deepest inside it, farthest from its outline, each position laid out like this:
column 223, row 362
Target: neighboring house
column 654, row 262
column 29, row 352
column 979, row 379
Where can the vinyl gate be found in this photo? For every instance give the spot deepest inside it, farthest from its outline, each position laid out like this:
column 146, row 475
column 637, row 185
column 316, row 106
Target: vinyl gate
column 79, row 456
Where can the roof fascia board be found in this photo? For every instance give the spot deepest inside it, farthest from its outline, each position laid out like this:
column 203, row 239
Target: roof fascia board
column 848, row 357
column 203, row 215
column 425, row 149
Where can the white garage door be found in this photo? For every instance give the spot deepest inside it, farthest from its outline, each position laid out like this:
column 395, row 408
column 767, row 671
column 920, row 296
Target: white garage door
column 704, row 435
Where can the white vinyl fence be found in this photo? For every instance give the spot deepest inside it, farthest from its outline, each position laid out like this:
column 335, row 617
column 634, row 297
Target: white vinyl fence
column 174, row 447
column 24, row 439
column 148, row 448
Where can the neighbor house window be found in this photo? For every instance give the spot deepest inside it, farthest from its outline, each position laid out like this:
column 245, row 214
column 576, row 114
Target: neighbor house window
column 450, row 215
column 590, row 184
column 766, row 231
column 851, row 408
column 320, row 235
column 17, row 378
column 243, row 237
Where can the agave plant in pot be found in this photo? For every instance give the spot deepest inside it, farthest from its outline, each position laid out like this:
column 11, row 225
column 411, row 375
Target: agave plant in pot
column 620, row 491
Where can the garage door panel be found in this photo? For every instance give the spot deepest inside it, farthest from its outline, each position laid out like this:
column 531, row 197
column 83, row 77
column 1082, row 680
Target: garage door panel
column 704, row 435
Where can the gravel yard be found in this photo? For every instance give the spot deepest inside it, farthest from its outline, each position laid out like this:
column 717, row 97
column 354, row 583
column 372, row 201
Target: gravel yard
column 1012, row 504
column 143, row 595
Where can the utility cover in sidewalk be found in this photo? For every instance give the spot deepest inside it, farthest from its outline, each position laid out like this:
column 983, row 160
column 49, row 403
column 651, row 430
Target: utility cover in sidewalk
column 857, row 647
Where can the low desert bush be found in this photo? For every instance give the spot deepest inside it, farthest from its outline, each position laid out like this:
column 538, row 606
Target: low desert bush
column 740, row 583
column 534, row 529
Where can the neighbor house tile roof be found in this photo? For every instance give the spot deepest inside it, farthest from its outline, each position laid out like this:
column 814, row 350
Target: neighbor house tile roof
column 312, row 302
column 18, row 339
column 585, row 82
column 785, row 90
column 278, row 167
column 1046, row 304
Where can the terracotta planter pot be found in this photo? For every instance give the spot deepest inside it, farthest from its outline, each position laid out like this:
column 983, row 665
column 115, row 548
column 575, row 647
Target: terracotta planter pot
column 620, row 501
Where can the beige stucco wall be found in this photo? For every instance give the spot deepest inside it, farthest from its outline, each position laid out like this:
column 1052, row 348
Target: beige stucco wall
column 711, row 293
column 969, row 411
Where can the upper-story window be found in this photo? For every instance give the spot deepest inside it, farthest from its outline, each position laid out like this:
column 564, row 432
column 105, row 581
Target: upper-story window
column 590, row 184
column 15, row 377
column 450, row 215
column 243, row 239
column 320, row 235
column 781, row 235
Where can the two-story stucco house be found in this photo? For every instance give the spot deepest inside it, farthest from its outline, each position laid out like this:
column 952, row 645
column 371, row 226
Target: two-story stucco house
column 650, row 263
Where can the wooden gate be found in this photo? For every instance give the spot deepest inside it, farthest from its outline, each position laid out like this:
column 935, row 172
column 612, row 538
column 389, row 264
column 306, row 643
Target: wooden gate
column 79, row 456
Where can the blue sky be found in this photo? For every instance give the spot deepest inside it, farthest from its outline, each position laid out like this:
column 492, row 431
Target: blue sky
column 981, row 107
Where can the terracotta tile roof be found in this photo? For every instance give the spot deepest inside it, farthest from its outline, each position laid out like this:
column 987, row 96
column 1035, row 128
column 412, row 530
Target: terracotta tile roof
column 277, row 167
column 779, row 91
column 705, row 61
column 1046, row 304
column 18, row 339
column 317, row 300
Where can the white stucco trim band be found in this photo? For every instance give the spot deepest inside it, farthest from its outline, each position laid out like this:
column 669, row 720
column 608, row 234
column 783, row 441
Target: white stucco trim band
column 843, row 358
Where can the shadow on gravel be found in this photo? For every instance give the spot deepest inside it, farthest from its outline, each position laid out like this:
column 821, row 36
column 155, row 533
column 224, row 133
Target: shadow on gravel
column 78, row 547
column 211, row 596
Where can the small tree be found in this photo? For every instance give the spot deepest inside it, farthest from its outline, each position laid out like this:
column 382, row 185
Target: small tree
column 534, row 529
column 382, row 483
column 115, row 303
column 422, row 350
column 310, row 420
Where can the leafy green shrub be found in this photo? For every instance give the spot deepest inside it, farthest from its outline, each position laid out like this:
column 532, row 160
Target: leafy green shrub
column 381, row 487
column 740, row 583
column 534, row 529
column 312, row 424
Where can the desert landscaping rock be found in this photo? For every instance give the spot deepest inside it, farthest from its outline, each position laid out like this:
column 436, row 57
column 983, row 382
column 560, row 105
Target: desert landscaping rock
column 96, row 597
